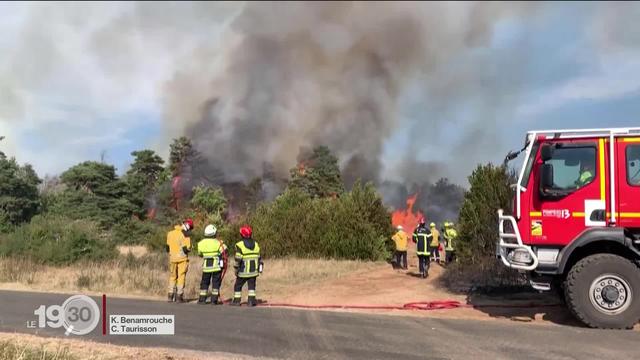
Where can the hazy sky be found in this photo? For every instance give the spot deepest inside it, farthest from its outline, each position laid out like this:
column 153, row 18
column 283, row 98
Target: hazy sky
column 70, row 89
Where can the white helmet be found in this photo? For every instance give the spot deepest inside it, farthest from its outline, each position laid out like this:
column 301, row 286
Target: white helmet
column 399, row 227
column 210, row 230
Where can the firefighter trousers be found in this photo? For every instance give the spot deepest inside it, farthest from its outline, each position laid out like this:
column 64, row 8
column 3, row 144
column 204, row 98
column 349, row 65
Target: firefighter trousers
column 211, row 278
column 423, row 264
column 177, row 276
column 251, row 284
column 401, row 259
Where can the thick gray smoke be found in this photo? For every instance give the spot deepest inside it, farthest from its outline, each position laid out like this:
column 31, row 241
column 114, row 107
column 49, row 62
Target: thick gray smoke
column 294, row 75
column 253, row 83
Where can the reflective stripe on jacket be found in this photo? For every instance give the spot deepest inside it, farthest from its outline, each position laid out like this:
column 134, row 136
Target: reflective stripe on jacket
column 421, row 237
column 211, row 251
column 247, row 258
column 451, row 235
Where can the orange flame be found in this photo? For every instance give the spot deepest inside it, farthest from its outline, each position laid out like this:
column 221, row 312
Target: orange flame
column 406, row 217
column 177, row 192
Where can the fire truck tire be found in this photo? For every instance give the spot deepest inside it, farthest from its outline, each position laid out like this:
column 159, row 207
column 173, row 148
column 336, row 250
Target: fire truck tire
column 603, row 291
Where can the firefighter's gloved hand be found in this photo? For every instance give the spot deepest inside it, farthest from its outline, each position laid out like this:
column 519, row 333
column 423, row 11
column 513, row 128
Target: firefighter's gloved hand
column 166, row 247
column 185, row 250
column 260, row 267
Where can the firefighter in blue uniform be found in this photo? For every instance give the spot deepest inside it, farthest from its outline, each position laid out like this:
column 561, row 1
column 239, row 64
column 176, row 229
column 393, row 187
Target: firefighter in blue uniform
column 422, row 237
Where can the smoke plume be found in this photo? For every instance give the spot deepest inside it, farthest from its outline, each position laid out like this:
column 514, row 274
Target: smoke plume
column 254, row 83
column 297, row 75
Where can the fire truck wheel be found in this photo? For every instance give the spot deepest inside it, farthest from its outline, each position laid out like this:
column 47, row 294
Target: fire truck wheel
column 603, row 291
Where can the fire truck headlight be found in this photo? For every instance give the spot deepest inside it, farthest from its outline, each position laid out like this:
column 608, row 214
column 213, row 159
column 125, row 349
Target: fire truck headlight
column 521, row 256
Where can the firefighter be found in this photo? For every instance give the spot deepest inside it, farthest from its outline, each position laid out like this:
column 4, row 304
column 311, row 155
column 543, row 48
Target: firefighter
column 435, row 242
column 214, row 255
column 450, row 235
column 400, row 238
column 586, row 175
column 421, row 236
column 248, row 265
column 178, row 246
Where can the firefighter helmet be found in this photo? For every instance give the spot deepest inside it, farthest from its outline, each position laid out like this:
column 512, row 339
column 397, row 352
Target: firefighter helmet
column 187, row 225
column 210, row 230
column 246, row 231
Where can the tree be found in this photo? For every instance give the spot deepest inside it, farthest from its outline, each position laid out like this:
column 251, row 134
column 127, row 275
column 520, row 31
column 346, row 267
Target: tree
column 208, row 200
column 90, row 176
column 19, row 199
column 478, row 222
column 142, row 179
column 317, row 174
column 181, row 155
column 93, row 192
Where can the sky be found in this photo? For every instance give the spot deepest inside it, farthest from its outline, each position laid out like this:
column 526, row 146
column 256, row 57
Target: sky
column 71, row 90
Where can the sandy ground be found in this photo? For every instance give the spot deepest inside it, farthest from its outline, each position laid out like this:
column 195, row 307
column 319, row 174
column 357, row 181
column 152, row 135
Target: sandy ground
column 90, row 350
column 385, row 286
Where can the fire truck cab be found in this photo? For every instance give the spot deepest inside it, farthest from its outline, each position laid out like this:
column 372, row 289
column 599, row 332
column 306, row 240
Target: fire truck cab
column 576, row 221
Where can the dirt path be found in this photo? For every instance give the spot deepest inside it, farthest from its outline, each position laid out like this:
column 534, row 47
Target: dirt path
column 385, row 286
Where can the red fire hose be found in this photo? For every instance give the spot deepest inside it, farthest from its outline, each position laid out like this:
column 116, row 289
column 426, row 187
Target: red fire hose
column 423, row 305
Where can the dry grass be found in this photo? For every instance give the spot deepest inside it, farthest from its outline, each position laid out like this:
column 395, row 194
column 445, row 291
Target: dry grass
column 147, row 276
column 30, row 347
column 11, row 350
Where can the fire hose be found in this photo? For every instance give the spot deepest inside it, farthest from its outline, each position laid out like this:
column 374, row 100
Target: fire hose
column 422, row 306
column 419, row 305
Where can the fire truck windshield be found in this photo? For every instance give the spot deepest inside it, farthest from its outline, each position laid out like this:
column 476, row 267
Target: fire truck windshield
column 529, row 165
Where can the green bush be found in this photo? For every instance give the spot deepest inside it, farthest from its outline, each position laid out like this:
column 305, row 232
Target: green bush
column 478, row 222
column 58, row 241
column 353, row 226
column 136, row 232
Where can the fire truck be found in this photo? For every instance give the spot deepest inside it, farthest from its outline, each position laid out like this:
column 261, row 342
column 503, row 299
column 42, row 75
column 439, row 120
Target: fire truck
column 575, row 222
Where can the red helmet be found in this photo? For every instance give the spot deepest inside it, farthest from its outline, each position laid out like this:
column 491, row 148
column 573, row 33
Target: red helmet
column 188, row 224
column 246, row 231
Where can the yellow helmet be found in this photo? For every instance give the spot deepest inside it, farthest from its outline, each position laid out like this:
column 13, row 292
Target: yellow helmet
column 432, row 225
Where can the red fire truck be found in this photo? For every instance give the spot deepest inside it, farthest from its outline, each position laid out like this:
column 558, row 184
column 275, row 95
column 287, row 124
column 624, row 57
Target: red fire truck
column 576, row 221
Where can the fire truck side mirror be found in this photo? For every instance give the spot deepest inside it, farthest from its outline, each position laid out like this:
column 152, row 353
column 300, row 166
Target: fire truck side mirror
column 546, row 152
column 546, row 178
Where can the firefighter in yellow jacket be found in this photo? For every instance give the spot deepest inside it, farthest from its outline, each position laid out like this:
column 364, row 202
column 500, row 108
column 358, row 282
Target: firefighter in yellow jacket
column 178, row 246
column 248, row 265
column 214, row 257
column 450, row 234
column 400, row 238
column 435, row 243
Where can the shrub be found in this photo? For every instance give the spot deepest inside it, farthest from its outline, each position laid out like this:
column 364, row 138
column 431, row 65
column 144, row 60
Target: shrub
column 478, row 232
column 136, row 232
column 58, row 241
column 354, row 226
column 478, row 222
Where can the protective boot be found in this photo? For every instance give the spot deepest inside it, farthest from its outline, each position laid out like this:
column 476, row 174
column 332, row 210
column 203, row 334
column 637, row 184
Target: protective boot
column 252, row 301
column 214, row 300
column 171, row 297
column 202, row 299
column 235, row 302
column 181, row 298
